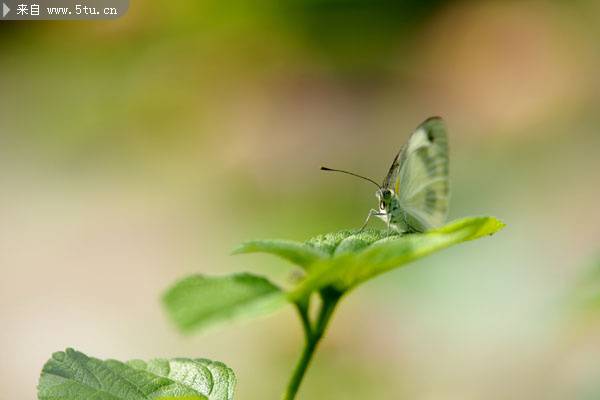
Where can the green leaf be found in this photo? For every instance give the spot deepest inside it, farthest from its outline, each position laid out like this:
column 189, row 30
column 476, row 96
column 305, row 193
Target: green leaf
column 295, row 252
column 200, row 301
column 71, row 375
column 359, row 257
column 349, row 241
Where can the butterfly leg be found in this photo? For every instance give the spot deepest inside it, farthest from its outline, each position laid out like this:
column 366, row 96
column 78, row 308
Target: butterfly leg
column 371, row 213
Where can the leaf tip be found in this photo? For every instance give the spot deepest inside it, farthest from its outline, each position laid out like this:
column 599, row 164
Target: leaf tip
column 497, row 225
column 242, row 248
column 237, row 250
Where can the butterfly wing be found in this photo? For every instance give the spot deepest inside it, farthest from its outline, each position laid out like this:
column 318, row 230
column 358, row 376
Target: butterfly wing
column 421, row 180
column 392, row 175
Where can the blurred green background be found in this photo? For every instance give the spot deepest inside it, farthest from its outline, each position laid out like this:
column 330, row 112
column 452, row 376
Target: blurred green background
column 136, row 151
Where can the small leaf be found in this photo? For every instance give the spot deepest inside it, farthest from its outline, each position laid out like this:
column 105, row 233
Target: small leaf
column 328, row 242
column 354, row 264
column 295, row 252
column 199, row 301
column 357, row 242
column 347, row 240
column 71, row 375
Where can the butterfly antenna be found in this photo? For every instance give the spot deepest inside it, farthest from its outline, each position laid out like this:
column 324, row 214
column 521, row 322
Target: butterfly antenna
column 353, row 174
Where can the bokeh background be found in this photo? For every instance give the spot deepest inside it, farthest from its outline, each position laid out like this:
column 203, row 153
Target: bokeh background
column 137, row 151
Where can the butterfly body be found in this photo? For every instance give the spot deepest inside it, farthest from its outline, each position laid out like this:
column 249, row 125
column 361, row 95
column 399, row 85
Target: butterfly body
column 390, row 211
column 415, row 193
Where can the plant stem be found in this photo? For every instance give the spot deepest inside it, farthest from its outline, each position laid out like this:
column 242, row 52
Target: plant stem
column 313, row 336
column 304, row 317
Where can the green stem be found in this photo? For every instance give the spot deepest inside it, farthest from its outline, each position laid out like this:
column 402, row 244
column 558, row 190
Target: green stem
column 306, row 325
column 313, row 337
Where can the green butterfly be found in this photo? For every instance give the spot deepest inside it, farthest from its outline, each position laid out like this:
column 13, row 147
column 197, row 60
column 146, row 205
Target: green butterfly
column 415, row 193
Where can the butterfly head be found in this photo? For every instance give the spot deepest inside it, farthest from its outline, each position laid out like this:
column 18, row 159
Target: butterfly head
column 384, row 195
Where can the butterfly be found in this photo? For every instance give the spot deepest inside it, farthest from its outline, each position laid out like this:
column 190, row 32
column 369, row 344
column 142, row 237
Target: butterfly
column 415, row 193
